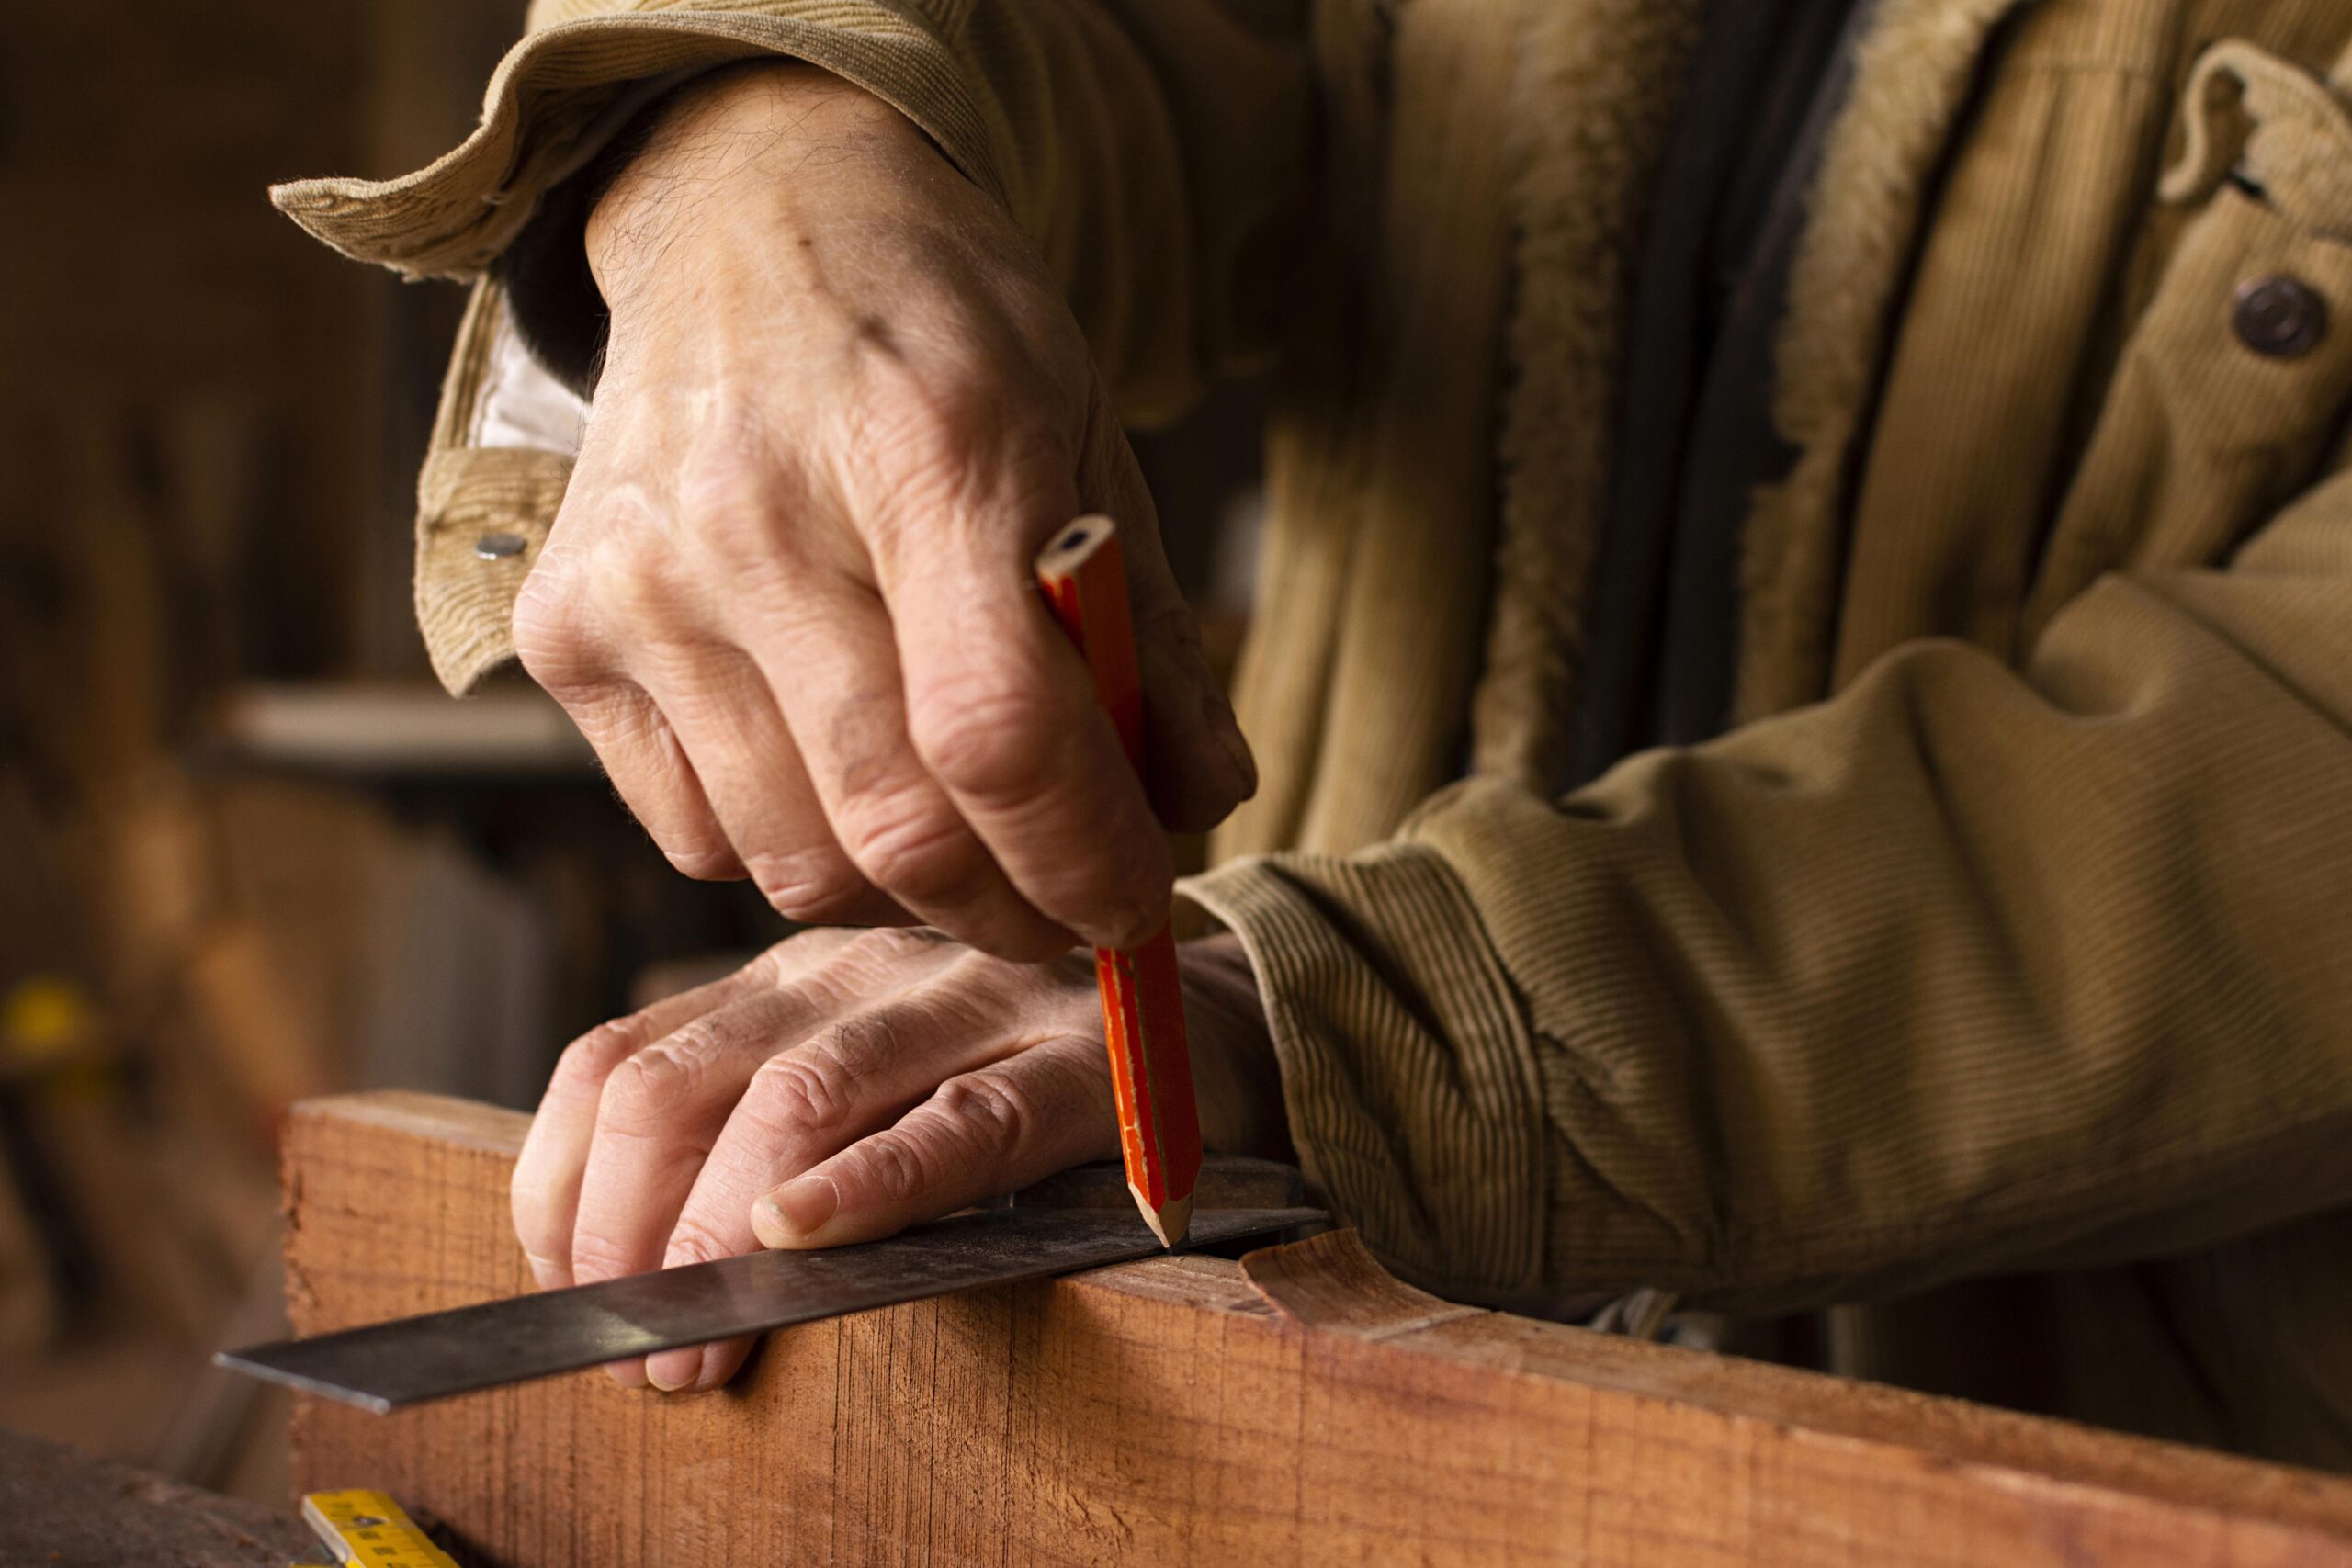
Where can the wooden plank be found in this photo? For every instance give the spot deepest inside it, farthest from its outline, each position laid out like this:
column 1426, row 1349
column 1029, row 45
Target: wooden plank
column 1323, row 1415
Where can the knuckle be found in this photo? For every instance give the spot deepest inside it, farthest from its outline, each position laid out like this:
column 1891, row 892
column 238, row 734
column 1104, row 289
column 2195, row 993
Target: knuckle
column 551, row 633
column 884, row 948
column 691, row 840
column 931, row 421
column 651, row 1085
column 731, row 502
column 637, row 590
column 703, row 677
column 858, row 1045
column 909, row 842
column 595, row 1255
column 987, row 739
column 948, row 435
column 724, row 485
column 703, row 861
column 804, row 1090
column 658, row 788
column 1038, row 455
column 990, row 1115
column 694, row 1240
column 811, row 954
column 896, row 1167
column 814, row 887
column 588, row 1060
column 1172, row 625
column 999, row 984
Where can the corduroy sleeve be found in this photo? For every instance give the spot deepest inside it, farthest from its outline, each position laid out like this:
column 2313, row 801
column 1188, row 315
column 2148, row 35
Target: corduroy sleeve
column 1155, row 151
column 1968, row 969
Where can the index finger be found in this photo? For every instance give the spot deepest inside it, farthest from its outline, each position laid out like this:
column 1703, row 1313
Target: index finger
column 1001, row 710
column 545, row 1189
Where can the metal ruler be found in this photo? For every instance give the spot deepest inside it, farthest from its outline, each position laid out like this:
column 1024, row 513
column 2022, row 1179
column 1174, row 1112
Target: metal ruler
column 388, row 1365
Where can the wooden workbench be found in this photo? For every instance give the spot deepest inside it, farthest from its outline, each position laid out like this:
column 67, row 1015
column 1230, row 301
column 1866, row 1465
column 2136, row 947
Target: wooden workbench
column 1299, row 1408
column 63, row 1509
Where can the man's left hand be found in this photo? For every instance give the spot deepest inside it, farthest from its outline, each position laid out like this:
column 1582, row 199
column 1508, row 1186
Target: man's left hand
column 839, row 1088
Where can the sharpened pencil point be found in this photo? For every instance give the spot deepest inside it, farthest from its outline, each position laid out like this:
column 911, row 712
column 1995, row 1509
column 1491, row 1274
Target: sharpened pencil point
column 1170, row 1221
column 1085, row 586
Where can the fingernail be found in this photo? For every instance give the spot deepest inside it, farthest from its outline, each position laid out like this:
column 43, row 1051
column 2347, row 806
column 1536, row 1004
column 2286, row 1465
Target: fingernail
column 801, row 1206
column 628, row 1374
column 671, row 1371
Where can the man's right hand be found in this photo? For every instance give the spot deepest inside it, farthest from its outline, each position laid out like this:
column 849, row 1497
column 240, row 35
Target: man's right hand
column 788, row 597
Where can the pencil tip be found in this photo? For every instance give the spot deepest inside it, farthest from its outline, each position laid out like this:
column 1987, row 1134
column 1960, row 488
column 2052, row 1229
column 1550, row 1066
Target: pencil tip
column 1170, row 1221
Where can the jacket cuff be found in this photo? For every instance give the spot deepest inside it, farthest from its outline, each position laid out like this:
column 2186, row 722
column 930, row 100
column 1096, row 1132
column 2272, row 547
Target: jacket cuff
column 1410, row 1087
column 556, row 97
column 553, row 300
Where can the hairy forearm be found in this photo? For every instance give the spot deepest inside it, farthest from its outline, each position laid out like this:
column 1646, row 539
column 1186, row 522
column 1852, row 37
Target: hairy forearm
column 746, row 146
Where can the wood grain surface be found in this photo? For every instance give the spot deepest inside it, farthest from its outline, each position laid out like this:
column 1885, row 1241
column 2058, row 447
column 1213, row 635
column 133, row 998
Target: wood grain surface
column 1302, row 1407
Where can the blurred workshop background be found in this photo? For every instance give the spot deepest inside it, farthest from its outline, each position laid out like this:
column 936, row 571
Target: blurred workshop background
column 248, row 850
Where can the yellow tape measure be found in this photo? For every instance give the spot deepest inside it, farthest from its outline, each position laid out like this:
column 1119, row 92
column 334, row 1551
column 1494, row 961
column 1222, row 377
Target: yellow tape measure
column 368, row 1528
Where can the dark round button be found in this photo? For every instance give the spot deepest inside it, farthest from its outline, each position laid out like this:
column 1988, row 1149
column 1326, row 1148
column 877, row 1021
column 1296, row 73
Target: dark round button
column 2281, row 316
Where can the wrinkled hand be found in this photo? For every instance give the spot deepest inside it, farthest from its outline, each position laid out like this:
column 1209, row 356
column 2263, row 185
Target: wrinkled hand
column 788, row 597
column 839, row 1088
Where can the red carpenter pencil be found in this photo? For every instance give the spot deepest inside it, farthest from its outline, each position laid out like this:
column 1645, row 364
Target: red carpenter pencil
column 1084, row 580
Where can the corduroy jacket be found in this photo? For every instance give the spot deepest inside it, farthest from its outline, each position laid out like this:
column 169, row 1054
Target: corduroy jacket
column 1992, row 979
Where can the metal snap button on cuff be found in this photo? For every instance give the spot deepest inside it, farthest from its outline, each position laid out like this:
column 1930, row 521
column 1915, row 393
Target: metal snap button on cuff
column 2280, row 317
column 499, row 547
